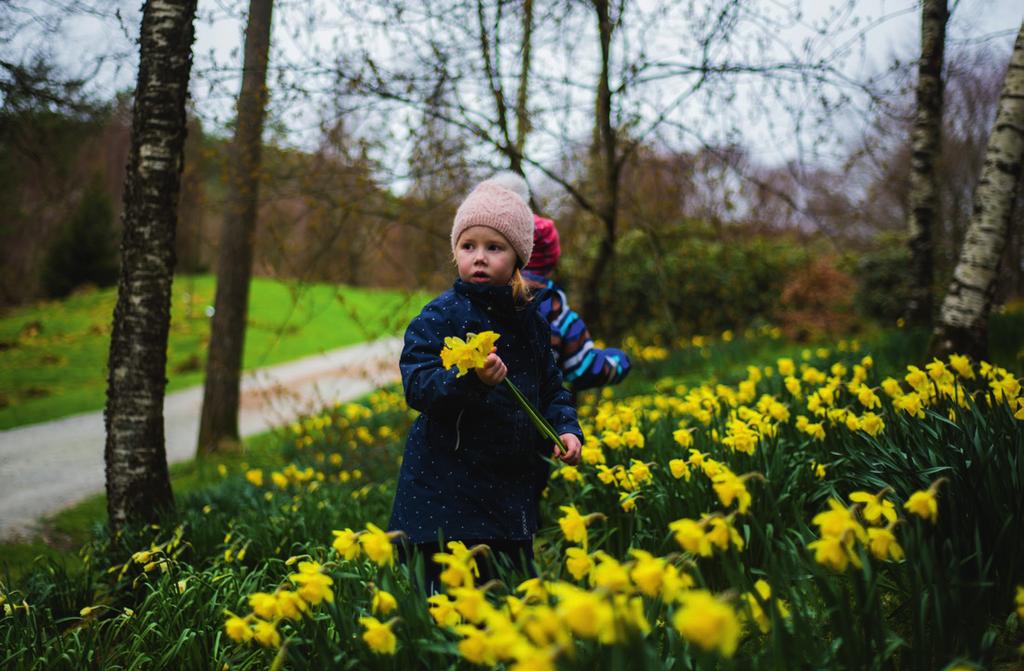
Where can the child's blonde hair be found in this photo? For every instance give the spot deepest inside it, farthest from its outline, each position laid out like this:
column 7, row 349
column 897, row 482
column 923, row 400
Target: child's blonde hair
column 520, row 290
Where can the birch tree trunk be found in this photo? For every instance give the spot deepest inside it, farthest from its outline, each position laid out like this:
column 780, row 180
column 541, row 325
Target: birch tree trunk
column 963, row 319
column 925, row 144
column 138, row 486
column 218, row 426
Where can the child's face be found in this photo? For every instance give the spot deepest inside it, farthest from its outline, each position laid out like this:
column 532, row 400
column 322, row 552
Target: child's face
column 484, row 256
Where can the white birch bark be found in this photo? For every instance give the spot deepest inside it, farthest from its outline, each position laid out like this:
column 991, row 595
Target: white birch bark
column 963, row 319
column 138, row 485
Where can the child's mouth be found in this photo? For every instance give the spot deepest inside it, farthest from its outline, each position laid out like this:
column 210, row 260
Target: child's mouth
column 481, row 276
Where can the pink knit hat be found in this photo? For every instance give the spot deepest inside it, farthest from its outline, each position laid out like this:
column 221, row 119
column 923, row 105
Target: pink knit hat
column 496, row 207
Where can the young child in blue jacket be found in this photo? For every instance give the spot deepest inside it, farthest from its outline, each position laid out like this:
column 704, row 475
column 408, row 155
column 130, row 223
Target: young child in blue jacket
column 474, row 465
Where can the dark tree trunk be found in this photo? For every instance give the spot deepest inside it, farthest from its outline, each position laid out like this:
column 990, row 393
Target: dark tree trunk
column 138, row 486
column 606, row 167
column 522, row 111
column 925, row 142
column 218, row 425
column 963, row 319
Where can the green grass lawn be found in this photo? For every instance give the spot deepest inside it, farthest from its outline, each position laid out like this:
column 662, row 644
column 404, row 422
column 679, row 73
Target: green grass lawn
column 54, row 354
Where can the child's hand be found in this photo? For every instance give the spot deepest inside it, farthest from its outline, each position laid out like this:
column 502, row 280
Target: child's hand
column 494, row 369
column 572, row 449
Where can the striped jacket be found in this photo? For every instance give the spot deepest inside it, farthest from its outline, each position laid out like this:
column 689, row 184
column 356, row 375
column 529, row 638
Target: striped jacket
column 583, row 365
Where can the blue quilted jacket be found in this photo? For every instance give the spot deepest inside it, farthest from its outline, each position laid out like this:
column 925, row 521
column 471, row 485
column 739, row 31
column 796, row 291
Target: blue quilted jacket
column 474, row 464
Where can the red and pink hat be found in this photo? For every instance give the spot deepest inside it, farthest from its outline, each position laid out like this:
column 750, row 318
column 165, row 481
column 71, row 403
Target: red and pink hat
column 546, row 247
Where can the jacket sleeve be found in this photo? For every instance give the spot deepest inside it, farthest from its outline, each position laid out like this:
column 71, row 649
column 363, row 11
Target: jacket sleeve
column 556, row 401
column 428, row 386
column 583, row 365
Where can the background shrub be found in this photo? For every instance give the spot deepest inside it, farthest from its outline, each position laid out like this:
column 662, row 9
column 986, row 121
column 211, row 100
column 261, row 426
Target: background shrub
column 817, row 301
column 85, row 251
column 686, row 282
column 883, row 283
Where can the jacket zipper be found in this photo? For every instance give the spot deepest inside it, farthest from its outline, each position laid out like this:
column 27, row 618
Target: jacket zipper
column 458, row 430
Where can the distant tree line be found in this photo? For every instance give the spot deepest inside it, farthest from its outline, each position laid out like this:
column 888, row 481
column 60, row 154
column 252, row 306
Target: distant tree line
column 326, row 214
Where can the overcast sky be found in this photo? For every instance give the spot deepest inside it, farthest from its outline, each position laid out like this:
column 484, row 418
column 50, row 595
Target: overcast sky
column 219, row 34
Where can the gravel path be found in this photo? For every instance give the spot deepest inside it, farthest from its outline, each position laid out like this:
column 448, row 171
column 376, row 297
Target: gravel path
column 48, row 466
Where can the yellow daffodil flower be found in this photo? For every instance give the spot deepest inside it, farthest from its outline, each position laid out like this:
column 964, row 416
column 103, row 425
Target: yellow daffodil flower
column 467, row 354
column 679, row 469
column 573, row 525
column 683, row 437
column 892, row 388
column 917, row 378
column 911, row 403
column 648, row 572
column 729, row 487
column 883, row 544
column 346, row 543
column 875, row 506
column 722, row 533
column 578, row 562
column 442, row 609
column 587, row 614
column 471, row 603
column 266, row 634
column 264, row 605
column 924, row 505
column 460, row 565
column 314, row 585
column 707, row 622
column 633, row 438
column 238, row 629
column 674, row 582
column 962, row 366
column 762, row 619
column 383, row 603
column 378, row 636
column 376, row 543
column 839, row 521
column 609, row 574
column 291, row 605
column 871, row 424
column 834, row 552
column 690, row 536
column 475, row 646
column 569, row 474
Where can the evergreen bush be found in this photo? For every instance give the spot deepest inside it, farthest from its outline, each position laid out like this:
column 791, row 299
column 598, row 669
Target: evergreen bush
column 85, row 249
column 684, row 282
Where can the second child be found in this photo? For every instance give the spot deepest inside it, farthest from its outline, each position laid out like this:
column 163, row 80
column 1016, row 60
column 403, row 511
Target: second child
column 584, row 366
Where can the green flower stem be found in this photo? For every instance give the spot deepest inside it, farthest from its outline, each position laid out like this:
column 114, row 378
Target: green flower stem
column 538, row 420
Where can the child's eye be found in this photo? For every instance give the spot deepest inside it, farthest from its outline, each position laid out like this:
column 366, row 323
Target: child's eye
column 495, row 248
